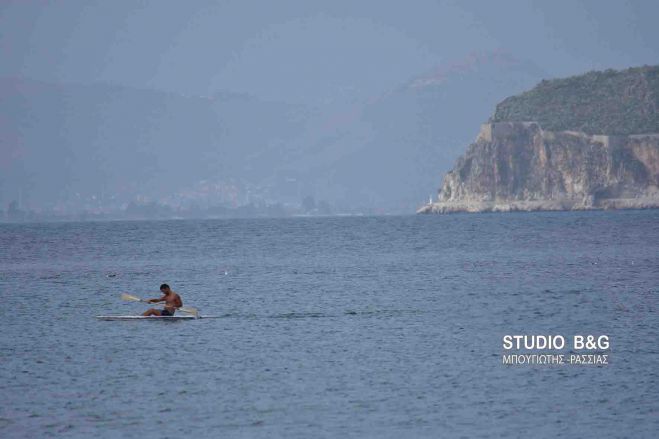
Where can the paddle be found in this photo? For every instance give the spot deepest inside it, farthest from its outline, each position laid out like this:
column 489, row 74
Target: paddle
column 185, row 309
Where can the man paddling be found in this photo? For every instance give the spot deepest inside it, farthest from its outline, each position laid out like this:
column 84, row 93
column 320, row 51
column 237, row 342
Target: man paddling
column 171, row 299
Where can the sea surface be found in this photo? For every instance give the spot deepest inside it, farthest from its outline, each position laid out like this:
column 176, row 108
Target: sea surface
column 338, row 327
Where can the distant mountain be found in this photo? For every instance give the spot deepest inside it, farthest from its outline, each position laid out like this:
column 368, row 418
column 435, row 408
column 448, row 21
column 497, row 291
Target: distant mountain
column 101, row 146
column 70, row 142
column 389, row 150
column 73, row 145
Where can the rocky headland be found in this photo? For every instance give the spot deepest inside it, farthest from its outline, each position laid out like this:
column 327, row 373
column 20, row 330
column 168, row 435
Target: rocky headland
column 586, row 142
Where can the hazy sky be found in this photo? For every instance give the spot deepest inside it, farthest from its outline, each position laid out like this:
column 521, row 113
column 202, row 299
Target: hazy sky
column 310, row 51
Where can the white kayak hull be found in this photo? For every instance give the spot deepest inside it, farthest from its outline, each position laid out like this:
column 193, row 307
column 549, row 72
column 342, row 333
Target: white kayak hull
column 151, row 317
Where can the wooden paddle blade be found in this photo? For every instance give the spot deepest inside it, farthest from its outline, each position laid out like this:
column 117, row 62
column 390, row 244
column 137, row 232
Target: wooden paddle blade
column 130, row 298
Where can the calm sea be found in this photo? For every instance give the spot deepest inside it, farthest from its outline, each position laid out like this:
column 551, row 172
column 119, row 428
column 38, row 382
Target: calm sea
column 379, row 327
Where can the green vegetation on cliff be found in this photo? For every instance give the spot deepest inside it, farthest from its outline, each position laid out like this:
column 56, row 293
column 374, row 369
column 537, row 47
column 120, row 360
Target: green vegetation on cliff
column 608, row 102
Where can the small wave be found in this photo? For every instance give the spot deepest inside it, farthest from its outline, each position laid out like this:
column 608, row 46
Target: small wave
column 383, row 312
column 298, row 315
column 316, row 314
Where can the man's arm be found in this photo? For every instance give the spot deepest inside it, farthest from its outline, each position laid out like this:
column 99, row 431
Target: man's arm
column 162, row 299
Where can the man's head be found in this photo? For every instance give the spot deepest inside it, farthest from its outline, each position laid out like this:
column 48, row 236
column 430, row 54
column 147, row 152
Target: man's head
column 164, row 288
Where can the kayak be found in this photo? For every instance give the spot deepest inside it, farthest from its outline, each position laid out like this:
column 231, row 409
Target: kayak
column 153, row 317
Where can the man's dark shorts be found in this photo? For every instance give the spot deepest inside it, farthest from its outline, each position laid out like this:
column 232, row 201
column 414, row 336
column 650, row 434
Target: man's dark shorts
column 166, row 313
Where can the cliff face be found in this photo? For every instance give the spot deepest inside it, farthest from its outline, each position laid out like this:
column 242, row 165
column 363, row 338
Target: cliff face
column 519, row 166
column 560, row 161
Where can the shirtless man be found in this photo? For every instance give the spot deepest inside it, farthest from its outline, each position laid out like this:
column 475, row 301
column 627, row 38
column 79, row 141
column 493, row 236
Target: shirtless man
column 171, row 299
